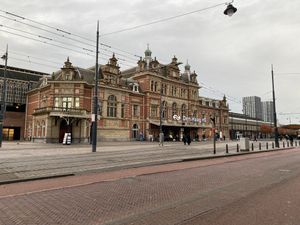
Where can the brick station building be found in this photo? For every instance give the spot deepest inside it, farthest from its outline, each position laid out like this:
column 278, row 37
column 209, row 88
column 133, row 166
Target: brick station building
column 129, row 104
column 18, row 83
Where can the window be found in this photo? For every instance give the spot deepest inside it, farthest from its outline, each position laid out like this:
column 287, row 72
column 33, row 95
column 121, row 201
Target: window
column 153, row 112
column 135, row 110
column 183, row 110
column 67, row 102
column 155, row 87
column 77, row 103
column 164, row 110
column 152, row 85
column 56, row 102
column 174, row 109
column 112, row 106
column 135, row 88
column 68, row 76
column 122, row 110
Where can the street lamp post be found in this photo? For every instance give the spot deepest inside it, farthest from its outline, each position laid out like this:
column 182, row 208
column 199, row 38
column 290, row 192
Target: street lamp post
column 95, row 98
column 161, row 133
column 213, row 119
column 3, row 103
column 274, row 115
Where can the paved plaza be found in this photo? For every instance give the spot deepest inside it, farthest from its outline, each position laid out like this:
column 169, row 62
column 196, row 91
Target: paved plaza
column 21, row 161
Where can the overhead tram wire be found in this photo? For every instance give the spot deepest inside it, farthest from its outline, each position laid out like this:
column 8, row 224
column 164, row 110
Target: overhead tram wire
column 60, row 42
column 55, row 45
column 60, row 30
column 49, row 39
column 76, row 46
column 33, row 62
column 233, row 99
column 48, row 26
column 69, row 33
column 30, row 56
column 163, row 20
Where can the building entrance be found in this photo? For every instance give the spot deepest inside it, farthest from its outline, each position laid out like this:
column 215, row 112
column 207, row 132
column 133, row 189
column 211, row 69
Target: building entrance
column 64, row 128
column 11, row 133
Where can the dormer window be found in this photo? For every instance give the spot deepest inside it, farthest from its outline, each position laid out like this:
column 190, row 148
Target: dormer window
column 68, row 76
column 135, row 88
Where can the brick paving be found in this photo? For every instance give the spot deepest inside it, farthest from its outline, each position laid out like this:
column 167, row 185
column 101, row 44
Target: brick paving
column 160, row 197
column 31, row 160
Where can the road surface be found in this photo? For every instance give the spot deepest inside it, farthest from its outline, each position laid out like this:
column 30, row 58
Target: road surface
column 247, row 189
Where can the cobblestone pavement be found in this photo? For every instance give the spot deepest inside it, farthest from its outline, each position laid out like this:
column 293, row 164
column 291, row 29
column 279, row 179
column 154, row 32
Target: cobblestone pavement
column 25, row 160
column 188, row 193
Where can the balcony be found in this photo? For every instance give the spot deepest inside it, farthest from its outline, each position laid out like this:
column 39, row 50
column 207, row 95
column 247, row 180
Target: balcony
column 63, row 112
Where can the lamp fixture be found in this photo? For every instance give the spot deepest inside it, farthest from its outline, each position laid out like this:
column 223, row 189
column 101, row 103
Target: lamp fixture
column 230, row 10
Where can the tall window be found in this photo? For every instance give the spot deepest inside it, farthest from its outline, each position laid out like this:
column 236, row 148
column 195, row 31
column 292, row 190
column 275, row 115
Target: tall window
column 77, row 103
column 164, row 110
column 56, row 102
column 152, row 85
column 112, row 106
column 122, row 110
column 174, row 109
column 154, row 111
column 135, row 110
column 183, row 110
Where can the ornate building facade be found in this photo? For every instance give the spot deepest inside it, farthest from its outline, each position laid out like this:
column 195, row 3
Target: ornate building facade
column 133, row 104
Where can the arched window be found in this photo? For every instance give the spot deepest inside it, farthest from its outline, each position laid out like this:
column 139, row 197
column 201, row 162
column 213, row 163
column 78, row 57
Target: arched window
column 112, row 106
column 174, row 109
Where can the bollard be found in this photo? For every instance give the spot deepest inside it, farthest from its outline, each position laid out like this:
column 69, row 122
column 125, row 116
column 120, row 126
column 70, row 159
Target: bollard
column 259, row 146
column 295, row 143
column 267, row 145
column 287, row 144
column 226, row 148
column 273, row 145
column 252, row 147
column 283, row 144
column 237, row 148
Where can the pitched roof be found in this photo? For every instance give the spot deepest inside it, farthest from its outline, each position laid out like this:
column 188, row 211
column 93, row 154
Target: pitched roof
column 21, row 74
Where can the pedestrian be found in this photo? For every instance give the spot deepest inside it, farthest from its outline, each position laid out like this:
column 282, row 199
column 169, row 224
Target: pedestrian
column 224, row 138
column 188, row 139
column 291, row 140
column 184, row 139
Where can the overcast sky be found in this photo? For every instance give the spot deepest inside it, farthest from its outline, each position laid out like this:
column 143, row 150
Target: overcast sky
column 231, row 55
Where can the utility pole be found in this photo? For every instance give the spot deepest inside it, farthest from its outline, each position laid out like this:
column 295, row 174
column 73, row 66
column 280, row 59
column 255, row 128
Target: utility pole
column 3, row 103
column 274, row 109
column 213, row 119
column 95, row 98
column 161, row 133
